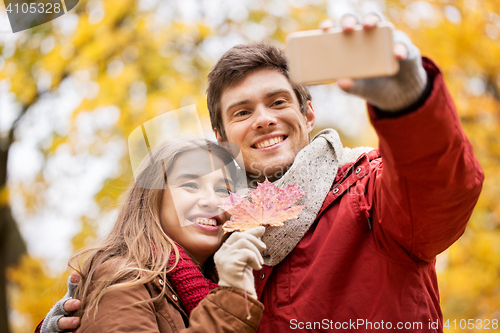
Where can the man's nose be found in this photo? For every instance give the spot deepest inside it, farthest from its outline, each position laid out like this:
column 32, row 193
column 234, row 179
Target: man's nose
column 264, row 118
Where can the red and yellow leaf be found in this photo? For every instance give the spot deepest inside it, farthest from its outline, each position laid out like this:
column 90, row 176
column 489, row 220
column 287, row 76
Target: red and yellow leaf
column 269, row 205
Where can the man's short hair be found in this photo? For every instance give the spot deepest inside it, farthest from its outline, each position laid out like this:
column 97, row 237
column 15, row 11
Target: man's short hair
column 235, row 65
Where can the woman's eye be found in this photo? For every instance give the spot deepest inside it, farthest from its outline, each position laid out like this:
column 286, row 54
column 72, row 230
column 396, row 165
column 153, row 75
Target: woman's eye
column 222, row 191
column 190, row 185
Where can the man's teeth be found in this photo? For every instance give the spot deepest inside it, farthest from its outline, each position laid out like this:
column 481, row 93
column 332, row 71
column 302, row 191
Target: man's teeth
column 269, row 142
column 205, row 221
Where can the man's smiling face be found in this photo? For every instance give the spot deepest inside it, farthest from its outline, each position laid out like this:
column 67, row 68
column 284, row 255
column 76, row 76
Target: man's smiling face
column 261, row 114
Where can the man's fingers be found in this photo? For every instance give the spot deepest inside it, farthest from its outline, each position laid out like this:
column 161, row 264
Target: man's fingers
column 327, row 24
column 71, row 305
column 348, row 22
column 400, row 51
column 68, row 323
column 75, row 277
column 345, row 83
column 371, row 20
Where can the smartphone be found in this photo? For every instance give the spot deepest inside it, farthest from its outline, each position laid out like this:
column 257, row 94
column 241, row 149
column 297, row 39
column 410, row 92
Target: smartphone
column 318, row 57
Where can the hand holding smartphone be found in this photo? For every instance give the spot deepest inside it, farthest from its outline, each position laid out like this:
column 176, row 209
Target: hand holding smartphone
column 318, row 57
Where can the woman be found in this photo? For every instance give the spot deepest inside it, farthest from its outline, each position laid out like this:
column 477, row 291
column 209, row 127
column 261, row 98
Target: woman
column 155, row 268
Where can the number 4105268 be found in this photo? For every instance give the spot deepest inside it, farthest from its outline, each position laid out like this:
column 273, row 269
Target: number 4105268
column 485, row 324
column 41, row 8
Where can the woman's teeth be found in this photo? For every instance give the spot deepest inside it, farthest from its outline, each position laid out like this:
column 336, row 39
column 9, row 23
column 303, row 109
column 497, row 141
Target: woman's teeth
column 205, row 221
column 270, row 142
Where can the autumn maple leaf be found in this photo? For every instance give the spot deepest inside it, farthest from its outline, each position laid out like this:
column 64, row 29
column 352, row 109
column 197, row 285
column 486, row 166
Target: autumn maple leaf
column 269, row 205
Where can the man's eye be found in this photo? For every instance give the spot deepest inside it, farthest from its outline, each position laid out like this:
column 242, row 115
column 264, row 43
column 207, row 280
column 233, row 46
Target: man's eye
column 241, row 113
column 279, row 102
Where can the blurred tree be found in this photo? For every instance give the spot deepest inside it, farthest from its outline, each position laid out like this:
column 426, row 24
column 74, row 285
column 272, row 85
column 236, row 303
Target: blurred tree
column 12, row 246
column 34, row 294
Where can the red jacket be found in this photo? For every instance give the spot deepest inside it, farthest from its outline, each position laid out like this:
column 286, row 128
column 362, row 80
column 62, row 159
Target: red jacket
column 368, row 262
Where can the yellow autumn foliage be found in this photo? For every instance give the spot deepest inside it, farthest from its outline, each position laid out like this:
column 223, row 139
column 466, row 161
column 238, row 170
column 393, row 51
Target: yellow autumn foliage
column 34, row 292
column 129, row 51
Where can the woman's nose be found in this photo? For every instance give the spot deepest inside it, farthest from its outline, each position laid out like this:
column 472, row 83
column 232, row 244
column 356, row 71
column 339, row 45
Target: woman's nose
column 209, row 199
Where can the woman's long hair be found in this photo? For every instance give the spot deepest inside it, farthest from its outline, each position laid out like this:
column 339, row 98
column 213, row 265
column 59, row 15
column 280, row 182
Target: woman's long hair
column 137, row 249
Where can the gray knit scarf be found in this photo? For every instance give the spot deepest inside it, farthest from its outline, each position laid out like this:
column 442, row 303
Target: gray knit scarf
column 314, row 169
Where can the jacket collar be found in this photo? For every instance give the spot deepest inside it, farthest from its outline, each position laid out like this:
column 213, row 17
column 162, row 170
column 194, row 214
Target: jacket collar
column 171, row 295
column 347, row 176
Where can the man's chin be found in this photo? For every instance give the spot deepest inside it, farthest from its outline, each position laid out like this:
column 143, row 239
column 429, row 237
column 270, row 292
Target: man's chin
column 271, row 172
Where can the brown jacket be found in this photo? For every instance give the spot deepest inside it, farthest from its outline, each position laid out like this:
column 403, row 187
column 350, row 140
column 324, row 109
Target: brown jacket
column 223, row 310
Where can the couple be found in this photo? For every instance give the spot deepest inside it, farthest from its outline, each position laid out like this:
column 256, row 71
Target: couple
column 157, row 263
column 361, row 256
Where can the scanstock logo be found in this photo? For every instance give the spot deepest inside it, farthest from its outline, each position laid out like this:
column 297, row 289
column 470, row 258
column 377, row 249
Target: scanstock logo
column 26, row 14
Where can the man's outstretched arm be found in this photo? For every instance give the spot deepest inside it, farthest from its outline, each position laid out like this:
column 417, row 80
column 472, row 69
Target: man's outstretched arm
column 430, row 179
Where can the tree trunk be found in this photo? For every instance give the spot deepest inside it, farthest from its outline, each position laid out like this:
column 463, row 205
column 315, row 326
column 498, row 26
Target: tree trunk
column 12, row 245
column 11, row 248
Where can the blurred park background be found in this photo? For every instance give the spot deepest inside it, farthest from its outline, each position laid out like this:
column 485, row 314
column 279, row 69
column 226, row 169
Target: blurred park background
column 73, row 89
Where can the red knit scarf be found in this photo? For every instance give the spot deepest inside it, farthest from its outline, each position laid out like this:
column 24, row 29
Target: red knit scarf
column 188, row 281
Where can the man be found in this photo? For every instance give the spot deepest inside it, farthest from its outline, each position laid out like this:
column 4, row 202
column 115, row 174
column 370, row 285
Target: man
column 361, row 256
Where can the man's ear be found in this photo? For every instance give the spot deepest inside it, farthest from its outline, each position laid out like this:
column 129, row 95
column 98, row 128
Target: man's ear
column 310, row 117
column 218, row 136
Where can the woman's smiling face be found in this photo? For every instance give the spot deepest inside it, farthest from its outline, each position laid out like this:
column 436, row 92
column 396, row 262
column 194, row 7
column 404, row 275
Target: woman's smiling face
column 197, row 184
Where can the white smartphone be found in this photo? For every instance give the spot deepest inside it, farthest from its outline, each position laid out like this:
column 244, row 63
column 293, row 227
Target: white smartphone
column 317, row 57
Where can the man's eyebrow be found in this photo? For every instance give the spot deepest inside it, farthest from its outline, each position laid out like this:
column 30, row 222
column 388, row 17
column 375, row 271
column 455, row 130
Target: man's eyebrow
column 270, row 94
column 278, row 91
column 235, row 104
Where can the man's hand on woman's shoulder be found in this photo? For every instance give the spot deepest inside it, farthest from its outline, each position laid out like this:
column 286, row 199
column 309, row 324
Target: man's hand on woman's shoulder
column 57, row 319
